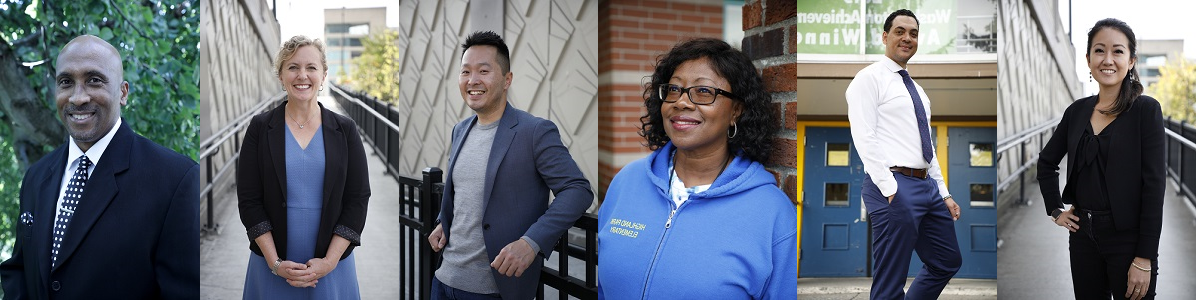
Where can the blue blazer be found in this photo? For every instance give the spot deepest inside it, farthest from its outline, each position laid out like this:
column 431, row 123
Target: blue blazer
column 135, row 234
column 527, row 160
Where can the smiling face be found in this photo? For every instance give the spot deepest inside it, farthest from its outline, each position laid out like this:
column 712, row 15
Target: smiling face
column 1109, row 58
column 699, row 127
column 901, row 41
column 302, row 74
column 483, row 83
column 90, row 89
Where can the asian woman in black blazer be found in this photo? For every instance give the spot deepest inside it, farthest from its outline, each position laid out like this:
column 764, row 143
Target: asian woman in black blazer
column 1115, row 174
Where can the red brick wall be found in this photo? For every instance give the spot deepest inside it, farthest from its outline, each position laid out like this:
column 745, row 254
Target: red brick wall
column 769, row 29
column 631, row 36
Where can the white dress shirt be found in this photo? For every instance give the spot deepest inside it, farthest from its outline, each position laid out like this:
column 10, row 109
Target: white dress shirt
column 884, row 126
column 72, row 161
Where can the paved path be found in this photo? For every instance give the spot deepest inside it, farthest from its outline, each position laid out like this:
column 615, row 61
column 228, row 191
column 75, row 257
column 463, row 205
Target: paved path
column 224, row 256
column 859, row 287
column 1033, row 259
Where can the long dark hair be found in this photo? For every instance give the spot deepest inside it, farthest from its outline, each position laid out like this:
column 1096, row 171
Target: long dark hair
column 758, row 123
column 1131, row 86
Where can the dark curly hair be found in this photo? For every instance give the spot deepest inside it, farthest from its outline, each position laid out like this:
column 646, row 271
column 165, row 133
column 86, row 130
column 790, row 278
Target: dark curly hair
column 757, row 124
column 1131, row 86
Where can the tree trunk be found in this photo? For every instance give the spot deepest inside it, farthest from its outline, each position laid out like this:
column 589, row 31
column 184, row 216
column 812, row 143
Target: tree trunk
column 34, row 124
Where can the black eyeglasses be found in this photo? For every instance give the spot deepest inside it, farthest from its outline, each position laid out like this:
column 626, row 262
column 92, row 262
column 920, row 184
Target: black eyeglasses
column 699, row 94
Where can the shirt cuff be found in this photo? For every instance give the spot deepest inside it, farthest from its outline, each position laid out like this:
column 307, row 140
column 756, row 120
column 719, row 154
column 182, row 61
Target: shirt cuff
column 259, row 230
column 349, row 234
column 535, row 247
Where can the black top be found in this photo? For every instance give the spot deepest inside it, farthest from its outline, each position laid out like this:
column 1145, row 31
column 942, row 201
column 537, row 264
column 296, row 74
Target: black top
column 1092, row 155
column 1135, row 173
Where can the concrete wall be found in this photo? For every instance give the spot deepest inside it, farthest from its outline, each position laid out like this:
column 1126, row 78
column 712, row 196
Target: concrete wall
column 238, row 42
column 553, row 55
column 1036, row 74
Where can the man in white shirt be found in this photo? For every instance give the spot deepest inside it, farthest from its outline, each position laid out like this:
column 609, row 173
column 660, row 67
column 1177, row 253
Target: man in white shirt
column 908, row 204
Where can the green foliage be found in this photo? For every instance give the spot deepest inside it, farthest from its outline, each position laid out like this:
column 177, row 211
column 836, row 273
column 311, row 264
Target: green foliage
column 159, row 43
column 1176, row 89
column 376, row 71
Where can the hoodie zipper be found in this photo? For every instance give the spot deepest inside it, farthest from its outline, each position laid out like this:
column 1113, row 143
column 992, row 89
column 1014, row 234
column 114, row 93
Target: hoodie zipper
column 664, row 235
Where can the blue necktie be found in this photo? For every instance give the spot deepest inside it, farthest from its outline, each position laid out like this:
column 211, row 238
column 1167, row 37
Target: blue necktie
column 920, row 111
column 70, row 200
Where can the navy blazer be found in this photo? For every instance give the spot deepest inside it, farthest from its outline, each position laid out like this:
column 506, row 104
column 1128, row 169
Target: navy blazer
column 262, row 181
column 135, row 233
column 527, row 160
column 1135, row 173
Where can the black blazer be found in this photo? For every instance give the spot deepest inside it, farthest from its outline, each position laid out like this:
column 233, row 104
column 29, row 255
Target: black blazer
column 262, row 181
column 135, row 234
column 1135, row 170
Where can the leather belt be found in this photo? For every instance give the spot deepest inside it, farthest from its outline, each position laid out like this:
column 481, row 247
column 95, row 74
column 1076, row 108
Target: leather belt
column 911, row 172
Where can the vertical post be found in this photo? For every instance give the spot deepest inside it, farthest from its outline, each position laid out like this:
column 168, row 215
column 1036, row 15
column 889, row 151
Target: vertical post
column 1021, row 176
column 211, row 223
column 429, row 207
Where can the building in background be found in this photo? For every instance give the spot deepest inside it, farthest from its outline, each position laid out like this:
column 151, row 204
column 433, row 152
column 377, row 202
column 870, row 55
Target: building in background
column 956, row 64
column 344, row 29
column 1153, row 54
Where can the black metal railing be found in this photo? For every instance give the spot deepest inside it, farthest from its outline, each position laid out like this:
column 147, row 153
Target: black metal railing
column 210, row 147
column 1180, row 153
column 420, row 204
column 373, row 119
column 1025, row 157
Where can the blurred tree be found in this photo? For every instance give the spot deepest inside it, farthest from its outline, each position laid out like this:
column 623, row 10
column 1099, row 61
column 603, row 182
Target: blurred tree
column 1176, row 89
column 158, row 41
column 376, row 71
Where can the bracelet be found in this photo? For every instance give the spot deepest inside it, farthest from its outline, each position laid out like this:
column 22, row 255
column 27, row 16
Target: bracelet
column 1138, row 267
column 274, row 269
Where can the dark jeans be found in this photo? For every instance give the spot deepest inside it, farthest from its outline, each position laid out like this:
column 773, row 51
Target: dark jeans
column 1100, row 259
column 441, row 291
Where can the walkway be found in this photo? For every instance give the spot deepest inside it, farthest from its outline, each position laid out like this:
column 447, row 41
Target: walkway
column 1033, row 259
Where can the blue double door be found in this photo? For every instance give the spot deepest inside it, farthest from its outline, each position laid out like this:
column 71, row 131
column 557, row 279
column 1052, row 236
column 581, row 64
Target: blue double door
column 836, row 239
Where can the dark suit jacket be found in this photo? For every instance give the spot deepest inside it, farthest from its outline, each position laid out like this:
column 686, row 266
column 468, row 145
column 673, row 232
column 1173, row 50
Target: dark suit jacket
column 527, row 160
column 135, row 233
column 262, row 181
column 1134, row 173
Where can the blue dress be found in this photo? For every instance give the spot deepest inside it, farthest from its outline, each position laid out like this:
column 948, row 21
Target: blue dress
column 305, row 189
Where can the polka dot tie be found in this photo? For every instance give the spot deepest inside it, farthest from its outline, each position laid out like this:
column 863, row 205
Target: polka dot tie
column 70, row 200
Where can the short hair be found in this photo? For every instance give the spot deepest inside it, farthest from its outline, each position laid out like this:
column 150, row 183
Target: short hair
column 900, row 12
column 489, row 38
column 292, row 45
column 755, row 127
column 1131, row 86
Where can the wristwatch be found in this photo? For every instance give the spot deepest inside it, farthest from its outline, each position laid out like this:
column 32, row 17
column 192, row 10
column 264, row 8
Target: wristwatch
column 1055, row 214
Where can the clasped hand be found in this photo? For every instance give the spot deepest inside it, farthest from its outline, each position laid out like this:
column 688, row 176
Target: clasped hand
column 305, row 275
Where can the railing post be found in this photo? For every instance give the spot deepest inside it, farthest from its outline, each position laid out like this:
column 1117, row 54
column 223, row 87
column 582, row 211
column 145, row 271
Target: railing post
column 429, row 207
column 211, row 226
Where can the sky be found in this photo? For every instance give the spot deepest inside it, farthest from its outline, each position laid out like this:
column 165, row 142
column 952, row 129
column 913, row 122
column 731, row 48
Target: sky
column 306, row 17
column 1150, row 19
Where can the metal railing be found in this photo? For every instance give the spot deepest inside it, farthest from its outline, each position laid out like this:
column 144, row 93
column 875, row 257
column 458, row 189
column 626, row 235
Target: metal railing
column 1037, row 134
column 209, row 147
column 373, row 119
column 1180, row 151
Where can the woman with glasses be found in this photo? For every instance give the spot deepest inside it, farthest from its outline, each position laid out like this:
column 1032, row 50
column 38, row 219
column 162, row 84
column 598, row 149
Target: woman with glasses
column 700, row 217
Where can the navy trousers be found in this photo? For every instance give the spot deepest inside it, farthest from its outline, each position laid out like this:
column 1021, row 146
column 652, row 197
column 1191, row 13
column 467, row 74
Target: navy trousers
column 916, row 220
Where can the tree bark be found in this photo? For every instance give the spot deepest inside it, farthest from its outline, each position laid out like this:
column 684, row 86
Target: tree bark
column 33, row 121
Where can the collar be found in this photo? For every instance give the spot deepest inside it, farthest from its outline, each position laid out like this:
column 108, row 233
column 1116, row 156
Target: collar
column 890, row 65
column 97, row 150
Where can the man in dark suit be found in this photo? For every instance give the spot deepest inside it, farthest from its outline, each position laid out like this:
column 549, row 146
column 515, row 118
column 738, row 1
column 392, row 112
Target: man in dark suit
column 95, row 224
column 495, row 215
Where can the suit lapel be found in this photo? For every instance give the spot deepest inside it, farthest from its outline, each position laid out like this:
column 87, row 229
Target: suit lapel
column 101, row 188
column 45, row 211
column 276, row 141
column 498, row 150
column 334, row 148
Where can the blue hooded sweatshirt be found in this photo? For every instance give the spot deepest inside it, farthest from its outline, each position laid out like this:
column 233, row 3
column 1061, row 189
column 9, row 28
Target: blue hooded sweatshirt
column 736, row 240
